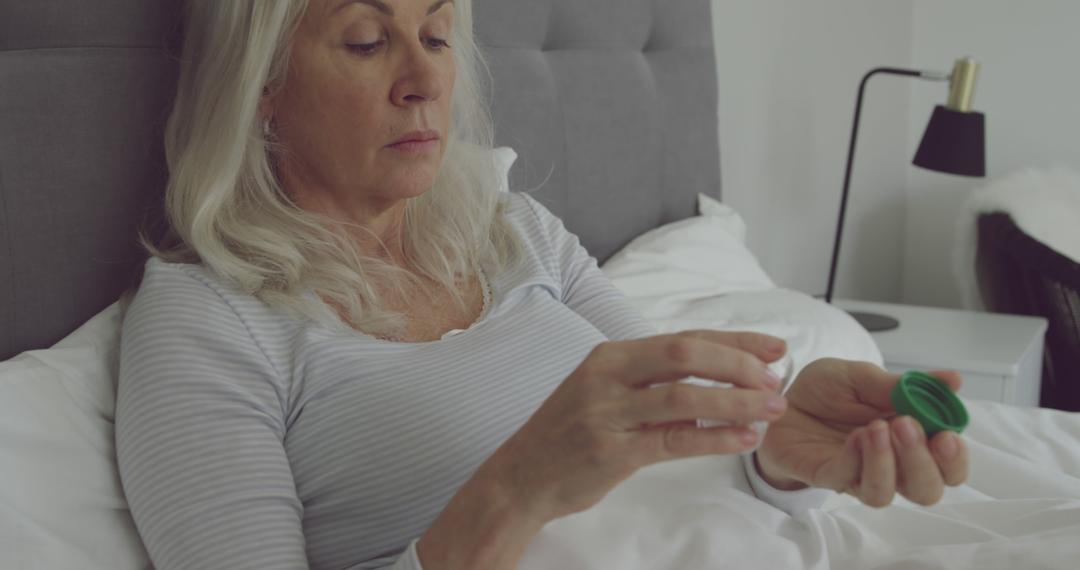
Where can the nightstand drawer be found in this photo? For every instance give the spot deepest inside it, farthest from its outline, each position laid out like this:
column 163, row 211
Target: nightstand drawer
column 1000, row 356
column 977, row 386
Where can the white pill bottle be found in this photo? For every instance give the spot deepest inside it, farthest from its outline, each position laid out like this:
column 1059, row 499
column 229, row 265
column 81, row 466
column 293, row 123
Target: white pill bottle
column 784, row 367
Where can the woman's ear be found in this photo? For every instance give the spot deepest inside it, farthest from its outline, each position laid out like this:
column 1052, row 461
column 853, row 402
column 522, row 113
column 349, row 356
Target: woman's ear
column 266, row 105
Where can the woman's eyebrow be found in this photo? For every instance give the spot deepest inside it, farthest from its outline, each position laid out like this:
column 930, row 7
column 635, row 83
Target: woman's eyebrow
column 438, row 4
column 388, row 9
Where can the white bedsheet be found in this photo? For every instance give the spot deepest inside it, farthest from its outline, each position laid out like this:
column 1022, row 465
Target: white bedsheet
column 1020, row 509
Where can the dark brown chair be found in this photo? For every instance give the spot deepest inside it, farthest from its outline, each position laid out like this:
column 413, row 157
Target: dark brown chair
column 1020, row 275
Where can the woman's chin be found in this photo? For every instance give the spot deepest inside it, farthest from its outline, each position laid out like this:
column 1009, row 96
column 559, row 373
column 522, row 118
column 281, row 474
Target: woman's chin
column 410, row 182
column 408, row 188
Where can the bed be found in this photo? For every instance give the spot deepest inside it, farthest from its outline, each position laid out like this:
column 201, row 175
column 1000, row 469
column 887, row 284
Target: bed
column 610, row 108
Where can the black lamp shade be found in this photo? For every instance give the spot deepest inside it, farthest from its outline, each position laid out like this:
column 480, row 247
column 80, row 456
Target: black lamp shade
column 954, row 142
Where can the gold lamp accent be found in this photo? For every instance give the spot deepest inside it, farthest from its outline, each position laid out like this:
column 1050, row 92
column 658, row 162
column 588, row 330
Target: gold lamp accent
column 962, row 84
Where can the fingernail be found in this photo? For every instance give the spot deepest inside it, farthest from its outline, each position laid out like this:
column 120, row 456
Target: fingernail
column 775, row 346
column 775, row 404
column 748, row 436
column 905, row 428
column 772, row 380
column 947, row 446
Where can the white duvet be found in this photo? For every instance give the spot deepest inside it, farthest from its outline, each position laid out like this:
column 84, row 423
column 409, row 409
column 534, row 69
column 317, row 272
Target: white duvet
column 1019, row 509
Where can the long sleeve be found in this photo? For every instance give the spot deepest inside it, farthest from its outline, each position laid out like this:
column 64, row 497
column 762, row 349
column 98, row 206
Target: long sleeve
column 200, row 425
column 585, row 289
column 791, row 502
column 408, row 560
column 592, row 295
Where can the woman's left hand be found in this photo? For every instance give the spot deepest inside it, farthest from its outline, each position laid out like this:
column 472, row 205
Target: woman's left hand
column 840, row 432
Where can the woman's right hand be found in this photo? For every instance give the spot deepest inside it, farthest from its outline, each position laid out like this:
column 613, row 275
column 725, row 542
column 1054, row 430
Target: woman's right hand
column 604, row 422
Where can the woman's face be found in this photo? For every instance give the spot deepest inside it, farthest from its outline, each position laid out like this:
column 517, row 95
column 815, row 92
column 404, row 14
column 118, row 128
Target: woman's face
column 365, row 75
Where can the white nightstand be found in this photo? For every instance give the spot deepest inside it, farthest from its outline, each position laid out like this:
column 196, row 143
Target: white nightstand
column 1000, row 356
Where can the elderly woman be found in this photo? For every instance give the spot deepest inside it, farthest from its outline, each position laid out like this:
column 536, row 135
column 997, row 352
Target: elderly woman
column 354, row 351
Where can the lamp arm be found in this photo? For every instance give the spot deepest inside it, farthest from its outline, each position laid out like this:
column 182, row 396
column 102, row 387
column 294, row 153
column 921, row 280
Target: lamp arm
column 929, row 75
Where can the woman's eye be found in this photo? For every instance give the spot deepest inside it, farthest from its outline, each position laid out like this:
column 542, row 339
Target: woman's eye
column 437, row 44
column 365, row 49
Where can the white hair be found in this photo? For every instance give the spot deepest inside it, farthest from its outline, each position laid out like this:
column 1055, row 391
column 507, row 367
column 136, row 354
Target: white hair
column 227, row 209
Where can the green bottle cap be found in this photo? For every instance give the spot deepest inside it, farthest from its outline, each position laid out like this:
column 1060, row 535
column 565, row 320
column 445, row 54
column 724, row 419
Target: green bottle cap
column 929, row 401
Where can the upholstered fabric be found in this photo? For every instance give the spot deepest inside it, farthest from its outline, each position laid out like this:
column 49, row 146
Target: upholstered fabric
column 611, row 105
column 1021, row 275
column 84, row 94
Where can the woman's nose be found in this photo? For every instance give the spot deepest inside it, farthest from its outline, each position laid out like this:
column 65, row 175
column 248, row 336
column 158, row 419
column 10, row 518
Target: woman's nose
column 419, row 79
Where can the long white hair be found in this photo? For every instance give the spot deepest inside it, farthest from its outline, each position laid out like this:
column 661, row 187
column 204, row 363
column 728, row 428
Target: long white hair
column 227, row 209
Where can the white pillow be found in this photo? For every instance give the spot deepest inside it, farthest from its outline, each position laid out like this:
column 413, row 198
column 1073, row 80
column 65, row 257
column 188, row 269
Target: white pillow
column 504, row 159
column 692, row 258
column 478, row 157
column 713, row 208
column 697, row 273
column 61, row 504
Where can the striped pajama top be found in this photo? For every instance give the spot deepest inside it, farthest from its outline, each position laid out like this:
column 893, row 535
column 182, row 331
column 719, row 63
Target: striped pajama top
column 250, row 439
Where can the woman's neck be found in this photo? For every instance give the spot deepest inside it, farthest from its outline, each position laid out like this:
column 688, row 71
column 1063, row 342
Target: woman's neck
column 376, row 226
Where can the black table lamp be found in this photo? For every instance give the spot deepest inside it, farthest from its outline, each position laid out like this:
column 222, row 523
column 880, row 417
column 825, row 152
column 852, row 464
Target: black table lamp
column 954, row 142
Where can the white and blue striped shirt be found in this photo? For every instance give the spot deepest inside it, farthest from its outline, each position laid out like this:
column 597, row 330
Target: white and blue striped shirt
column 250, row 439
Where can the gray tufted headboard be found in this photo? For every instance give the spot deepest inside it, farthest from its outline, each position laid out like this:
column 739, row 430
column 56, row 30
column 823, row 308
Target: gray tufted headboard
column 84, row 93
column 611, row 105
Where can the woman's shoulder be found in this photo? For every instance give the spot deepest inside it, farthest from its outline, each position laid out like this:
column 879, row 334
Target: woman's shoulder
column 540, row 226
column 193, row 278
column 187, row 300
column 523, row 205
column 183, row 289
column 530, row 216
column 182, row 319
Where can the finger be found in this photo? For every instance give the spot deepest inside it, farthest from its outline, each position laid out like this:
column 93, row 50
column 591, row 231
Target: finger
column 878, row 482
column 951, row 378
column 666, row 358
column 872, row 384
column 662, row 444
column 951, row 455
column 678, row 402
column 922, row 482
column 875, row 385
column 767, row 348
column 842, row 474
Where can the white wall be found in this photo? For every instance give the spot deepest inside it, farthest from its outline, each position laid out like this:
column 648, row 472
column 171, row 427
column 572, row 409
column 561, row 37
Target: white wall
column 1029, row 89
column 788, row 72
column 788, row 75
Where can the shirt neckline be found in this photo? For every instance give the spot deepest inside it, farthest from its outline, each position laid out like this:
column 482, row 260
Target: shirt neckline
column 485, row 290
column 490, row 300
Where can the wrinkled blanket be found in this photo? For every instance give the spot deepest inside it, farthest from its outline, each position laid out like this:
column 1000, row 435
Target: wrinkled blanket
column 1019, row 509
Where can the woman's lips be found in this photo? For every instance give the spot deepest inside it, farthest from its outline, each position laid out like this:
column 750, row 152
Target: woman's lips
column 415, row 146
column 416, row 142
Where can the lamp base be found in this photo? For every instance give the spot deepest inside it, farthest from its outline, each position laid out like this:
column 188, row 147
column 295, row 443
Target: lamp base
column 874, row 322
